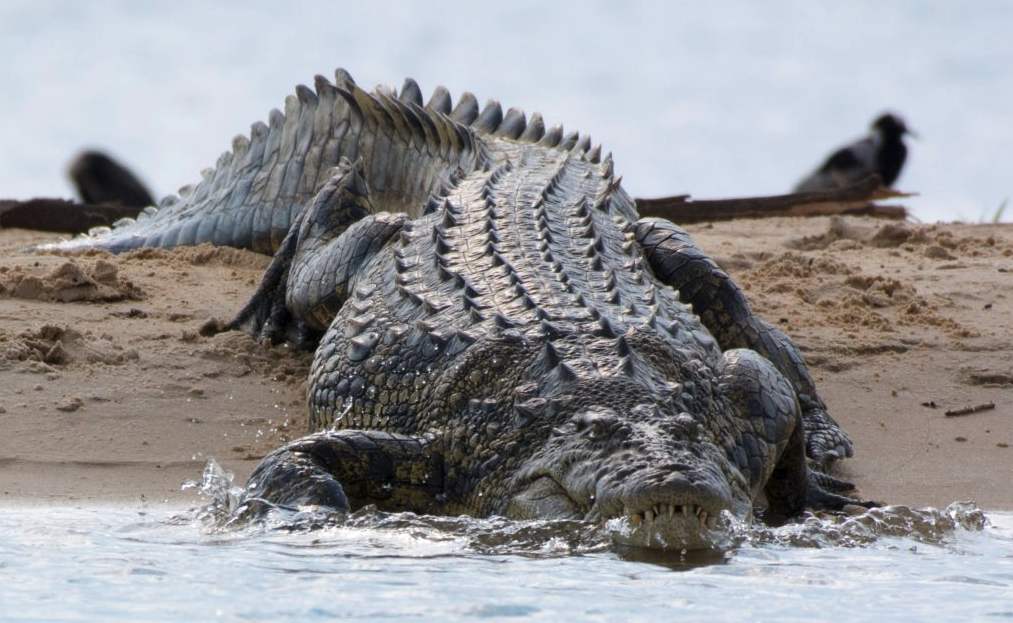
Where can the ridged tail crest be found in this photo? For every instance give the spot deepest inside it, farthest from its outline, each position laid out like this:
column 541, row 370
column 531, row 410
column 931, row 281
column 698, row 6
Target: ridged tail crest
column 255, row 191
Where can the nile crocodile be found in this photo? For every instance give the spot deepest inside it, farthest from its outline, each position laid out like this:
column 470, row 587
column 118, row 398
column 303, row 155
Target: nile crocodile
column 497, row 331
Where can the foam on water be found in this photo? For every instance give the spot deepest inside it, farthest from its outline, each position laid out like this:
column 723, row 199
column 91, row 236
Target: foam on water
column 228, row 510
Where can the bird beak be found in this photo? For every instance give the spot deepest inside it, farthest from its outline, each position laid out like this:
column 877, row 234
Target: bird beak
column 912, row 134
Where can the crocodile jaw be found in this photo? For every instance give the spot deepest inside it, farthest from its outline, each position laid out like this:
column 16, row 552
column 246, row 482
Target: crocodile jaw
column 667, row 526
column 673, row 507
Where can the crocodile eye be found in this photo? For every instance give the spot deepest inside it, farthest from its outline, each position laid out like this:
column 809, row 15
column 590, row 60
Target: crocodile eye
column 593, row 426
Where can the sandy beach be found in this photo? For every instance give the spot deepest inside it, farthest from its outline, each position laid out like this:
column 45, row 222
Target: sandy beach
column 109, row 394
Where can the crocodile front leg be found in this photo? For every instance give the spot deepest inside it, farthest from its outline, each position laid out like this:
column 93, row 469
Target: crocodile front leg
column 723, row 309
column 309, row 278
column 347, row 469
column 770, row 448
column 770, row 445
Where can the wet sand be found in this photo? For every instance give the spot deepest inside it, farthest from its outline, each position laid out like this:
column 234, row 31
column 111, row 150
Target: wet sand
column 109, row 394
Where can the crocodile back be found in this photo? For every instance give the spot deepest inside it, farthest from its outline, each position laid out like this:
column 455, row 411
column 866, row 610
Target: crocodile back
column 525, row 272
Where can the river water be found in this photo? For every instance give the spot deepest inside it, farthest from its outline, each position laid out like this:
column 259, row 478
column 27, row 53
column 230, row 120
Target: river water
column 120, row 564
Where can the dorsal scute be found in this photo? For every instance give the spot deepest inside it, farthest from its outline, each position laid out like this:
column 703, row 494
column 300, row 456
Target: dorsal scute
column 278, row 166
column 485, row 120
column 306, row 95
column 343, row 79
column 466, row 110
column 489, row 119
column 535, row 129
column 410, row 92
column 513, row 125
column 440, row 101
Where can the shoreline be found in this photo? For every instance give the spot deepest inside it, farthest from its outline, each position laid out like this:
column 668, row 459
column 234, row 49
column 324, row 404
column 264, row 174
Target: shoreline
column 110, row 395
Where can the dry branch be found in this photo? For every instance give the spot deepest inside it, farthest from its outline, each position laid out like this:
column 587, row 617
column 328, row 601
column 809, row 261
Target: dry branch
column 60, row 215
column 857, row 199
column 987, row 406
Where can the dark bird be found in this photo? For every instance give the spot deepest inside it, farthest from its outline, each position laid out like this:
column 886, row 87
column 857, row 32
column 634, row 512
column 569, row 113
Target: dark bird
column 882, row 152
column 100, row 179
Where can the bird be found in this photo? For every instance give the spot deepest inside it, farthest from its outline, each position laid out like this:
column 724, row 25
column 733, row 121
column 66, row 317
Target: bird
column 98, row 178
column 882, row 152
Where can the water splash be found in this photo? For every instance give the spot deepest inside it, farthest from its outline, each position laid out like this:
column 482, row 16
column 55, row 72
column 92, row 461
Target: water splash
column 929, row 526
column 230, row 510
column 217, row 484
column 678, row 535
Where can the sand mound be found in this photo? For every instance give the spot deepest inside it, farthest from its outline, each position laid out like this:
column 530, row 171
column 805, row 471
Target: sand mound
column 934, row 242
column 843, row 235
column 239, row 354
column 59, row 345
column 828, row 291
column 202, row 255
column 73, row 280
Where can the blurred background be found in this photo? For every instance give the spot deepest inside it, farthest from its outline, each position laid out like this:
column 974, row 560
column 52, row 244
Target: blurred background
column 714, row 99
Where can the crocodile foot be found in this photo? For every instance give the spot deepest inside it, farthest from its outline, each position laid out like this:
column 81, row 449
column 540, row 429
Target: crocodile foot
column 266, row 316
column 825, row 440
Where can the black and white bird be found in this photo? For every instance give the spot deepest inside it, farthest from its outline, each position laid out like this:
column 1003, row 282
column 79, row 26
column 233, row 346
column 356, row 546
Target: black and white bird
column 882, row 152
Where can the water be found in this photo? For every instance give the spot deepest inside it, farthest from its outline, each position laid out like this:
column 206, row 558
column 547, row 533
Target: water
column 119, row 564
column 711, row 98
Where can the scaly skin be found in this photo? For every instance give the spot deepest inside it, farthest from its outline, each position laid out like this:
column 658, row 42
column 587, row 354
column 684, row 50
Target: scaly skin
column 501, row 333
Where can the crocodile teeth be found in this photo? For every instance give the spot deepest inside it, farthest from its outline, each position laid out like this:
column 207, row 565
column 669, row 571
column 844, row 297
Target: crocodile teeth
column 659, row 511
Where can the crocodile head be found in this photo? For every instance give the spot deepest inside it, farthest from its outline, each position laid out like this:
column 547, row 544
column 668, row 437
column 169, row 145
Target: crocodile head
column 655, row 474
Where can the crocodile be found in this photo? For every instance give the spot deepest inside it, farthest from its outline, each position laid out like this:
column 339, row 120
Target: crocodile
column 497, row 331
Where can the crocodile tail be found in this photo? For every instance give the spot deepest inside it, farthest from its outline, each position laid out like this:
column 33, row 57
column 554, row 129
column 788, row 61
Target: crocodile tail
column 253, row 194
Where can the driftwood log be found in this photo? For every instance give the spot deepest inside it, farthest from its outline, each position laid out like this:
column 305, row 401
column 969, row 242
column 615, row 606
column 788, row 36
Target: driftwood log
column 65, row 216
column 857, row 199
column 61, row 215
